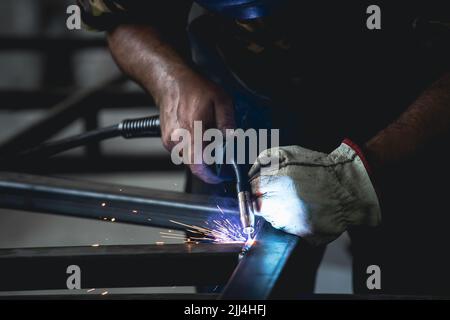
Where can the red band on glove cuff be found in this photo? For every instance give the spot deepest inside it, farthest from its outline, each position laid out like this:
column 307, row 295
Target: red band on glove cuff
column 360, row 154
column 366, row 164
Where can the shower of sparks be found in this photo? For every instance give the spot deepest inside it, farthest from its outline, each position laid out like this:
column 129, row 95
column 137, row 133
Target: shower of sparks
column 222, row 231
column 219, row 229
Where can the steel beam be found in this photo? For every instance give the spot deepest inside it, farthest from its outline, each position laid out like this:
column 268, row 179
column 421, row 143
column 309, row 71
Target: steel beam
column 103, row 201
column 118, row 266
column 278, row 266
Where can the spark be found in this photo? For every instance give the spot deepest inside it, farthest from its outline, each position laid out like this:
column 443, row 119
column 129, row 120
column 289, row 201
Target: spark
column 220, row 228
column 104, row 293
column 222, row 231
column 159, row 243
column 95, row 245
column 220, row 209
column 113, row 219
column 103, row 204
column 90, row 290
column 135, row 211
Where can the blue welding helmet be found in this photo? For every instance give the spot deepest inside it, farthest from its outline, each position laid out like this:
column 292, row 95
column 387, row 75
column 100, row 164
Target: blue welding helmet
column 242, row 9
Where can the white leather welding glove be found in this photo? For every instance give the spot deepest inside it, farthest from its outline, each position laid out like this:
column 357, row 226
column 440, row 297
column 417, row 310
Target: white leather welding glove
column 314, row 195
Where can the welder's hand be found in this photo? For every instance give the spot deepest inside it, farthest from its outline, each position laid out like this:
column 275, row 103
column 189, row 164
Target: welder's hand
column 315, row 195
column 187, row 98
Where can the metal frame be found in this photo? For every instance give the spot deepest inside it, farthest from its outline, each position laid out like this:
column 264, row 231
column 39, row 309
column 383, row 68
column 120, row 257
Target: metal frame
column 118, row 266
column 100, row 201
column 277, row 266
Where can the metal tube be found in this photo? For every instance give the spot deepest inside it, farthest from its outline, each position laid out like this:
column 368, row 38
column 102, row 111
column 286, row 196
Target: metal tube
column 278, row 266
column 103, row 201
column 118, row 266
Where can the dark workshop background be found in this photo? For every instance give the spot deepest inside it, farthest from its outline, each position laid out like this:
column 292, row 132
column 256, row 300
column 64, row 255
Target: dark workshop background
column 28, row 72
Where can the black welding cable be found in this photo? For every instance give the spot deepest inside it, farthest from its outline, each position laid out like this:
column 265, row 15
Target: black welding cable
column 51, row 148
column 128, row 129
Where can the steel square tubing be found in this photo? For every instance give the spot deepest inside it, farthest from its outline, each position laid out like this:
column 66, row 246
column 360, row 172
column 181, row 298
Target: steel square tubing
column 102, row 201
column 278, row 266
column 118, row 266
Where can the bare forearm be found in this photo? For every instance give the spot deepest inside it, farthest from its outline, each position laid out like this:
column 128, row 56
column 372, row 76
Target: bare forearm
column 182, row 95
column 144, row 55
column 426, row 119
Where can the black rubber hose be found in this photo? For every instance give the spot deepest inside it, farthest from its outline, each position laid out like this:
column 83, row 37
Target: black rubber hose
column 128, row 129
column 51, row 148
column 149, row 127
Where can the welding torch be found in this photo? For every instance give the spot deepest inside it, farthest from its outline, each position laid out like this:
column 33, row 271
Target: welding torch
column 148, row 127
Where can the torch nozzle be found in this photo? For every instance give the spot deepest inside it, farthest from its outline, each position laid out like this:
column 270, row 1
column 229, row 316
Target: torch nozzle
column 246, row 213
